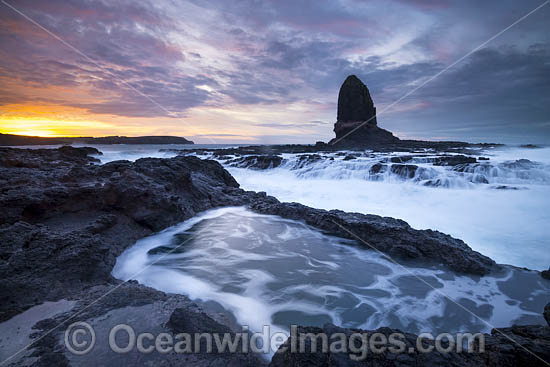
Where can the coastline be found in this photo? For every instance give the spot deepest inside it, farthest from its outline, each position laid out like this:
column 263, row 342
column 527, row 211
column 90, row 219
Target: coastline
column 61, row 202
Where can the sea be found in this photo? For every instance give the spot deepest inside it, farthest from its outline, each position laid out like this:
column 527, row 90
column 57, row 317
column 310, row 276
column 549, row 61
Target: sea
column 266, row 270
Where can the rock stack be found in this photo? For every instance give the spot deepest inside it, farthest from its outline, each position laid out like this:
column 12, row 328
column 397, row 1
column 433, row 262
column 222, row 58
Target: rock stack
column 356, row 124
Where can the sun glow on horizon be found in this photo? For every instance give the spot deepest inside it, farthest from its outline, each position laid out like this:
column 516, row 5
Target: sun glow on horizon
column 49, row 121
column 202, row 125
column 48, row 128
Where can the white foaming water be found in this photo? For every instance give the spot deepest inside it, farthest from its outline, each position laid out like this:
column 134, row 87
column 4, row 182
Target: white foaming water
column 270, row 271
column 508, row 225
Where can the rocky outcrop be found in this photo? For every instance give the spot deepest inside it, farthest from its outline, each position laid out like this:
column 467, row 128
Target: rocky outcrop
column 105, row 306
column 356, row 124
column 515, row 346
column 453, row 160
column 64, row 220
column 259, row 162
column 355, row 102
column 406, row 171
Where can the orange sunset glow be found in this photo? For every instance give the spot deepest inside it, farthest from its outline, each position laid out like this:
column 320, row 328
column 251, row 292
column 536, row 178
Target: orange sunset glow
column 270, row 73
column 208, row 125
column 280, row 183
column 49, row 121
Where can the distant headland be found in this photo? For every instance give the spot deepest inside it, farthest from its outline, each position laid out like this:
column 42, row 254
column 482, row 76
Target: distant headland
column 15, row 140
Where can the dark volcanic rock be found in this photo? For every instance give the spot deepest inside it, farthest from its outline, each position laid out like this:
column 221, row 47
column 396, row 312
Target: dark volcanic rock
column 520, row 346
column 356, row 124
column 361, row 135
column 182, row 321
column 355, row 102
column 453, row 160
column 545, row 274
column 530, row 146
column 547, row 313
column 64, row 156
column 505, row 187
column 307, row 159
column 146, row 310
column 285, row 358
column 401, row 159
column 404, row 170
column 64, row 221
column 256, row 161
column 411, row 146
column 517, row 346
column 377, row 168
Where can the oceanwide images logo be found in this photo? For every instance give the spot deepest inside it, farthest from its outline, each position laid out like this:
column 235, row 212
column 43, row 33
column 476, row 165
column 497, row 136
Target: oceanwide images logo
column 80, row 339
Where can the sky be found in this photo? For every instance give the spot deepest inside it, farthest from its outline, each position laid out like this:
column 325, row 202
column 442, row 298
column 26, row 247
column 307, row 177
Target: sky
column 251, row 71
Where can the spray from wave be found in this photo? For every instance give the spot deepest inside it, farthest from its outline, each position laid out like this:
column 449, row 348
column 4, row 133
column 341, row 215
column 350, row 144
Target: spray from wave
column 499, row 207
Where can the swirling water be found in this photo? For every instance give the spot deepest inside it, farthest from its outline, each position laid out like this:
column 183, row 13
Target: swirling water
column 499, row 207
column 267, row 270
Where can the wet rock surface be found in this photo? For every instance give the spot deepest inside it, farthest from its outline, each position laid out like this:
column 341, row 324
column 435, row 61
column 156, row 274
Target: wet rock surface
column 412, row 146
column 65, row 219
column 404, row 170
column 145, row 310
column 456, row 168
column 515, row 346
column 255, row 161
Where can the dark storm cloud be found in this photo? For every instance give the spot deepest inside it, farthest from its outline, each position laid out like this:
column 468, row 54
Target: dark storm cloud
column 496, row 92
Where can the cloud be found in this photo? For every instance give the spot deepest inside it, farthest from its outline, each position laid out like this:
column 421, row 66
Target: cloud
column 212, row 54
column 496, row 93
